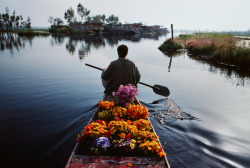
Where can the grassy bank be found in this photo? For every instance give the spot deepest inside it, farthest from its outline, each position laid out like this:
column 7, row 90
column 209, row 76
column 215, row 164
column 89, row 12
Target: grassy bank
column 214, row 47
column 33, row 33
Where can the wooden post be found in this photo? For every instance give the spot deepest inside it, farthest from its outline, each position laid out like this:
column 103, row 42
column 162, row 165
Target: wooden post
column 172, row 32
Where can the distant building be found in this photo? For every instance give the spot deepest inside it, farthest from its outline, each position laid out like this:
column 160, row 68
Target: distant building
column 155, row 28
column 131, row 27
column 59, row 27
column 87, row 26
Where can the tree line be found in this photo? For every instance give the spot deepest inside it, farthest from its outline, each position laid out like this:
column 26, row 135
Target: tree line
column 10, row 22
column 84, row 17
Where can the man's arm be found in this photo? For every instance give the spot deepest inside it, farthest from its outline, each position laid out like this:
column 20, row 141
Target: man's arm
column 137, row 75
column 107, row 73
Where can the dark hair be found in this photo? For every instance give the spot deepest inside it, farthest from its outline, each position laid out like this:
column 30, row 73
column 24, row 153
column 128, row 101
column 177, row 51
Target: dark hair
column 122, row 51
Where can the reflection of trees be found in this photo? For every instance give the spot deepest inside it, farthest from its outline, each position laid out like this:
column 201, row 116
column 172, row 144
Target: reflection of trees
column 57, row 39
column 12, row 41
column 233, row 74
column 83, row 51
column 71, row 46
column 95, row 41
column 86, row 42
column 112, row 40
column 151, row 36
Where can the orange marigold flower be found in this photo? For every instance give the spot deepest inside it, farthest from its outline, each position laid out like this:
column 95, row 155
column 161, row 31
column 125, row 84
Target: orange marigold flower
column 123, row 135
column 101, row 131
column 129, row 122
column 129, row 165
column 106, row 104
column 161, row 154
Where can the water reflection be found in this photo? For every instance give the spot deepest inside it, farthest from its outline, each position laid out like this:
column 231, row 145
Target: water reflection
column 57, row 39
column 84, row 42
column 233, row 74
column 173, row 54
column 11, row 41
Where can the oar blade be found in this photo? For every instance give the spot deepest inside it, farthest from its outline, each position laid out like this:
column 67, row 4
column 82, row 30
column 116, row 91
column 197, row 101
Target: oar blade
column 161, row 90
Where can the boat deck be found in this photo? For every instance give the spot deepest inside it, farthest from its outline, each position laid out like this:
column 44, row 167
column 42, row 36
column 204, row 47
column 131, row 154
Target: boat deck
column 111, row 161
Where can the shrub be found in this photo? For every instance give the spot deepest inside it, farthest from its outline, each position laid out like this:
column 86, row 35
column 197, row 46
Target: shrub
column 172, row 45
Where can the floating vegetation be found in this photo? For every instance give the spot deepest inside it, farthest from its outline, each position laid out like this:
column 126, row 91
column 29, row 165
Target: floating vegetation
column 215, row 47
column 33, row 33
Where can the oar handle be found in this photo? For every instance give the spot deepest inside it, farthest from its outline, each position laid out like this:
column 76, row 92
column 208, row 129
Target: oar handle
column 94, row 67
column 153, row 87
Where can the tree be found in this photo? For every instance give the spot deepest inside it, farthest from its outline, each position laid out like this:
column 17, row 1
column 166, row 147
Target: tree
column 5, row 21
column 89, row 19
column 12, row 20
column 1, row 22
column 97, row 18
column 58, row 21
column 82, row 12
column 112, row 20
column 22, row 23
column 28, row 23
column 17, row 22
column 69, row 15
column 51, row 20
column 55, row 21
column 103, row 18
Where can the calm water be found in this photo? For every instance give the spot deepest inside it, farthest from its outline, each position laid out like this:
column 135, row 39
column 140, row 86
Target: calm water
column 47, row 95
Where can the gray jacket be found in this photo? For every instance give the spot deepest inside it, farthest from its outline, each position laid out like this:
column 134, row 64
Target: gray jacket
column 120, row 72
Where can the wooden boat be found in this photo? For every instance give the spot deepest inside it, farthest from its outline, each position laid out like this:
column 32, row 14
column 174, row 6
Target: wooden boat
column 87, row 161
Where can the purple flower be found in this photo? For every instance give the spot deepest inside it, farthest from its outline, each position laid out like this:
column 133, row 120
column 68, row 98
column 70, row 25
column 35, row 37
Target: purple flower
column 100, row 145
column 126, row 94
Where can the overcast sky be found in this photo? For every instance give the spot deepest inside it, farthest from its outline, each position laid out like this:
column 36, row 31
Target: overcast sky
column 212, row 15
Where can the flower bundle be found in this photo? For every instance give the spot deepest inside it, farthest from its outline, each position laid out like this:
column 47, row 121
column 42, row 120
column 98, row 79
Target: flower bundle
column 100, row 145
column 137, row 112
column 142, row 124
column 119, row 111
column 105, row 105
column 95, row 129
column 105, row 115
column 145, row 136
column 149, row 147
column 124, row 145
column 125, row 94
column 121, row 126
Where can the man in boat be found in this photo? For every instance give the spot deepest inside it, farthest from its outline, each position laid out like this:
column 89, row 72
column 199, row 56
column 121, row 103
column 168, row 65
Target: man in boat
column 120, row 72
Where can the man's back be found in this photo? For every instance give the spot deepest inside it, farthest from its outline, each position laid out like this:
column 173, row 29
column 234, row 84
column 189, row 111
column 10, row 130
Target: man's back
column 120, row 72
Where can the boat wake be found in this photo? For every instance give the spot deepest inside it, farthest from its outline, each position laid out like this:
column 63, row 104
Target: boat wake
column 167, row 109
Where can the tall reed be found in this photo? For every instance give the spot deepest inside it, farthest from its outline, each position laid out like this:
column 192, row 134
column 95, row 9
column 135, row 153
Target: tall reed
column 219, row 48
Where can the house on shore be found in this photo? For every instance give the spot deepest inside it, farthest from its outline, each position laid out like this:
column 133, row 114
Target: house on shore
column 156, row 28
column 86, row 27
column 59, row 27
column 136, row 28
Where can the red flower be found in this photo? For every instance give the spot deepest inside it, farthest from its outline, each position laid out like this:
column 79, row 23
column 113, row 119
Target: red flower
column 86, row 132
column 108, row 134
column 128, row 136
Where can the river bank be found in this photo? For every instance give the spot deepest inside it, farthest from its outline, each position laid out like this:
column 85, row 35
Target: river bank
column 29, row 32
column 215, row 47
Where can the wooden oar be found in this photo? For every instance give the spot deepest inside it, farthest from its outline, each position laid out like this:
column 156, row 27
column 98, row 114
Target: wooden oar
column 158, row 89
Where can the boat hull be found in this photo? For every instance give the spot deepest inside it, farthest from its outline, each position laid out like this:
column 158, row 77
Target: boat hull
column 83, row 161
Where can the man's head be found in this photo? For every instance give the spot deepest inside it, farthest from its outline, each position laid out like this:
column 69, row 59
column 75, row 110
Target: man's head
column 122, row 51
